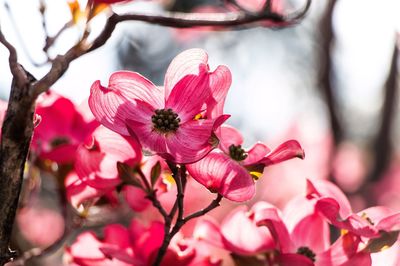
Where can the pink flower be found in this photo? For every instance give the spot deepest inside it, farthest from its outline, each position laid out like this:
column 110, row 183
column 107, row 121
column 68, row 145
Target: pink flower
column 230, row 171
column 62, row 128
column 166, row 120
column 136, row 245
column 96, row 162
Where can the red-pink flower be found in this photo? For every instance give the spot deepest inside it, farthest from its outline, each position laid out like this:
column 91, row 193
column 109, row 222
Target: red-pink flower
column 231, row 170
column 166, row 120
column 62, row 128
column 96, row 162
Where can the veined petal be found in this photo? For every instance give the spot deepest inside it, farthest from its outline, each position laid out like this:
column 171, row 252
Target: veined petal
column 191, row 142
column 189, row 95
column 112, row 106
column 147, row 137
column 219, row 173
column 228, row 135
column 241, row 234
column 256, row 153
column 341, row 252
column 286, row 151
column 329, row 208
column 134, row 86
column 220, row 82
column 270, row 218
column 185, row 63
column 96, row 162
column 322, row 188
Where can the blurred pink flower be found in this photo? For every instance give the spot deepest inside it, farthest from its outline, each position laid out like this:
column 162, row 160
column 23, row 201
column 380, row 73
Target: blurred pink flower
column 96, row 162
column 164, row 119
column 62, row 128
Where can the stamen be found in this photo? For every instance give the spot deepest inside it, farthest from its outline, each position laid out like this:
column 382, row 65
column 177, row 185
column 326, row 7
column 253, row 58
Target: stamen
column 305, row 251
column 237, row 153
column 165, row 120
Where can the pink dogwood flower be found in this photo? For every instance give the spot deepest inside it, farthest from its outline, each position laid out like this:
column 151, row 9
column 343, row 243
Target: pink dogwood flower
column 96, row 162
column 335, row 207
column 231, row 170
column 57, row 141
column 164, row 119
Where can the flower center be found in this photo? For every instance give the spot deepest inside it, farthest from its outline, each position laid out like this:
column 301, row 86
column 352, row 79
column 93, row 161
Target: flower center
column 237, row 153
column 165, row 120
column 305, row 251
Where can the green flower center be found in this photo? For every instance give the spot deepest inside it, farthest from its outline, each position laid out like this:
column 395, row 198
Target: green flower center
column 305, row 251
column 237, row 153
column 165, row 120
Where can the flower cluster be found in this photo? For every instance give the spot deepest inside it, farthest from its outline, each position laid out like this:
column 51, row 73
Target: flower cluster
column 166, row 152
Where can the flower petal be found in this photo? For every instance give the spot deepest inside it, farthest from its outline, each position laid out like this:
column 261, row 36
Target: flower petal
column 256, row 153
column 229, row 135
column 241, row 235
column 185, row 63
column 220, row 82
column 270, row 218
column 113, row 105
column 192, row 141
column 219, row 173
column 189, row 95
column 286, row 151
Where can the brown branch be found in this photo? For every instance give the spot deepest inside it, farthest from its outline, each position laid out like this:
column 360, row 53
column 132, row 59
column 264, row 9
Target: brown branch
column 325, row 80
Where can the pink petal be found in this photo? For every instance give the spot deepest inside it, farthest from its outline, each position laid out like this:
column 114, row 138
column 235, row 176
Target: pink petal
column 220, row 82
column 148, row 138
column 286, row 151
column 290, row 259
column 116, row 234
column 219, row 173
column 390, row 223
column 270, row 218
column 329, row 208
column 136, row 198
column 189, row 95
column 307, row 227
column 323, row 188
column 241, row 235
column 191, row 142
column 113, row 105
column 256, row 153
column 78, row 192
column 97, row 165
column 229, row 135
column 208, row 230
column 342, row 252
column 185, row 63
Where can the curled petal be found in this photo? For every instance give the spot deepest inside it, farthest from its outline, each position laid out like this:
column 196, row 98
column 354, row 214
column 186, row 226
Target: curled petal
column 329, row 208
column 96, row 164
column 113, row 105
column 322, row 188
column 185, row 63
column 229, row 135
column 256, row 153
column 78, row 192
column 220, row 82
column 286, row 151
column 270, row 218
column 193, row 140
column 208, row 230
column 189, row 95
column 222, row 175
column 342, row 252
column 241, row 235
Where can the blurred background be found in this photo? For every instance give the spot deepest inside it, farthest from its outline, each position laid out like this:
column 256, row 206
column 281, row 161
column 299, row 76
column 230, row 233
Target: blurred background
column 330, row 82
